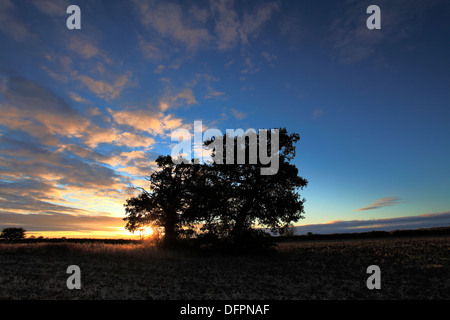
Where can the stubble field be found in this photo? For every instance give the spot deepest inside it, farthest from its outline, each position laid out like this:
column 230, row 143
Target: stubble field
column 411, row 268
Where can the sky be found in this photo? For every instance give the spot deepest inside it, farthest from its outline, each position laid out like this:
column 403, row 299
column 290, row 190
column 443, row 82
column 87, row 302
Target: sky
column 85, row 112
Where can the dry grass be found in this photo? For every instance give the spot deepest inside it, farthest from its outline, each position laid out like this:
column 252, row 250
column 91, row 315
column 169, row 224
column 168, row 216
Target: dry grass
column 414, row 268
column 146, row 250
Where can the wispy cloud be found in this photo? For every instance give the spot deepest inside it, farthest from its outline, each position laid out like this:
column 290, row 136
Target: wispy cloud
column 381, row 203
column 353, row 42
column 230, row 29
column 11, row 22
column 75, row 97
column 317, row 114
column 44, row 112
column 146, row 120
column 190, row 28
column 253, row 22
column 270, row 57
column 213, row 93
column 169, row 21
column 188, row 96
column 51, row 7
column 107, row 90
column 62, row 222
column 428, row 220
column 83, row 46
column 227, row 24
column 238, row 115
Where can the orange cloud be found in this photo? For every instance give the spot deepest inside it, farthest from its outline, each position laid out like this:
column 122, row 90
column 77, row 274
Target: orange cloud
column 145, row 120
column 33, row 105
column 103, row 89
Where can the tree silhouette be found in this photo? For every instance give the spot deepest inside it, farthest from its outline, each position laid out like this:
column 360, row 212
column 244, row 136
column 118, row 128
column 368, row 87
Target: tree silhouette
column 13, row 234
column 162, row 206
column 244, row 198
column 226, row 200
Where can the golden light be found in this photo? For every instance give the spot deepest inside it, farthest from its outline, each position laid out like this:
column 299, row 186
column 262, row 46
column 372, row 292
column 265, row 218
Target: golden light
column 146, row 232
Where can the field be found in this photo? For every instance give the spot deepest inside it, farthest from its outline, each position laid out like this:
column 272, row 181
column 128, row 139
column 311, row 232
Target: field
column 411, row 268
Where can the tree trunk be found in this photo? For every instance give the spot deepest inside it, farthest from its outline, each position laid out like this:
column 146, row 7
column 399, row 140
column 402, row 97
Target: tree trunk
column 170, row 233
column 240, row 226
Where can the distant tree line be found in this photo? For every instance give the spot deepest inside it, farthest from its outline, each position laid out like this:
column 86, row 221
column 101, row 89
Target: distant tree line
column 221, row 202
column 13, row 234
column 435, row 231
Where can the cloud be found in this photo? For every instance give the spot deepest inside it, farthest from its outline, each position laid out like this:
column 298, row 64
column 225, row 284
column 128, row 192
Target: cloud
column 249, row 66
column 150, row 50
column 103, row 89
column 10, row 22
column 159, row 69
column 207, row 81
column 428, row 220
column 95, row 136
column 230, row 29
column 239, row 115
column 190, row 27
column 184, row 97
column 72, row 179
column 33, row 109
column 380, row 203
column 75, row 97
column 28, row 188
column 133, row 140
column 83, row 152
column 51, row 7
column 213, row 93
column 86, row 47
column 227, row 23
column 317, row 114
column 168, row 20
column 253, row 22
column 37, row 111
column 42, row 181
column 270, row 57
column 353, row 42
column 138, row 163
column 43, row 112
column 188, row 96
column 61, row 221
column 83, row 47
column 38, row 162
column 61, row 63
column 292, row 29
column 145, row 120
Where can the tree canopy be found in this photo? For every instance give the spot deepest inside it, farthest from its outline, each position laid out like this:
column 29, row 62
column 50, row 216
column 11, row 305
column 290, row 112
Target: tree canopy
column 164, row 204
column 223, row 199
column 13, row 234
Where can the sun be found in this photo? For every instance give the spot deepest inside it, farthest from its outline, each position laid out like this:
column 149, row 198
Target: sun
column 146, row 232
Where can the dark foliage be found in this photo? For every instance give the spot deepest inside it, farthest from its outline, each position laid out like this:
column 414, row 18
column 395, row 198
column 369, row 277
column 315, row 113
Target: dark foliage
column 436, row 231
column 163, row 205
column 242, row 196
column 223, row 201
column 13, row 234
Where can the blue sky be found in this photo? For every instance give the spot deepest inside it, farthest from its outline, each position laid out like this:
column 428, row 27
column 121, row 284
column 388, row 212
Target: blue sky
column 86, row 112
